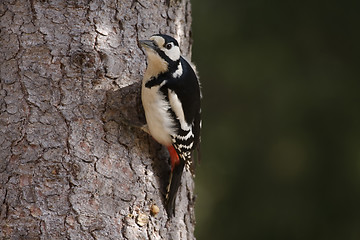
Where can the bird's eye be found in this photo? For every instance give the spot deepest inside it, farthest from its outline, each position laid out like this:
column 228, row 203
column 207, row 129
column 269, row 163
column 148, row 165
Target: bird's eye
column 168, row 46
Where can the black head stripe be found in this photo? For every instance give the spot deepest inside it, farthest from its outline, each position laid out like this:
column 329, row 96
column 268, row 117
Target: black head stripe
column 168, row 39
column 172, row 64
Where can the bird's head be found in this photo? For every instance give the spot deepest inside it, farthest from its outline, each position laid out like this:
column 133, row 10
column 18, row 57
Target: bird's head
column 162, row 52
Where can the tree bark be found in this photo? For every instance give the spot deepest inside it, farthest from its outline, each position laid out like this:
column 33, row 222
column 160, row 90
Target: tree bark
column 69, row 167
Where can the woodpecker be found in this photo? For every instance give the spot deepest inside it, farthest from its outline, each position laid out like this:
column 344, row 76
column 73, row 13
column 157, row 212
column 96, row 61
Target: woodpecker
column 171, row 99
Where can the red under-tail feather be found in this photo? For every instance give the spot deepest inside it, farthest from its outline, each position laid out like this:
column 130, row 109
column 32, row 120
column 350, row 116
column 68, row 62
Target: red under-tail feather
column 177, row 167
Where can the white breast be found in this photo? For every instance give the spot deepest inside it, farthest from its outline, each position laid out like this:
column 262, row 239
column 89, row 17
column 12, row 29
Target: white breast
column 158, row 119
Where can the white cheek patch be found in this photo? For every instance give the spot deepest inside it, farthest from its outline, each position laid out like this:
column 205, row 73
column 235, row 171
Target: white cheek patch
column 178, row 71
column 173, row 53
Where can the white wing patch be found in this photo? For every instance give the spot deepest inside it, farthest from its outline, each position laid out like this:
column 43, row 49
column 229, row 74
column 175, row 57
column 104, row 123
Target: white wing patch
column 178, row 72
column 177, row 108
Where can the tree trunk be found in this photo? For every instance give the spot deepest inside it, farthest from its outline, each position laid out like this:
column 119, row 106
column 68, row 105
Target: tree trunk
column 69, row 167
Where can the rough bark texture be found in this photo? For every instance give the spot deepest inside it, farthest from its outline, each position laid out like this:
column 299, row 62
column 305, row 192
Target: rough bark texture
column 69, row 167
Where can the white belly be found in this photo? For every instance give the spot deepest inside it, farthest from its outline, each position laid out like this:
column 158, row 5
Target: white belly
column 157, row 117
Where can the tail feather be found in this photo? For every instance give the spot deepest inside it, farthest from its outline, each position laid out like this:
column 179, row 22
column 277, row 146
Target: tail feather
column 174, row 183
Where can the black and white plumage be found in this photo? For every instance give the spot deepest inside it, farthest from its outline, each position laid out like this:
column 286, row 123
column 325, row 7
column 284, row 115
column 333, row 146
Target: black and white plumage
column 171, row 100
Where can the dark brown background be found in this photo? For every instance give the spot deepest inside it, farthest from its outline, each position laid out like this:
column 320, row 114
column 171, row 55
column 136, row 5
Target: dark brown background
column 281, row 137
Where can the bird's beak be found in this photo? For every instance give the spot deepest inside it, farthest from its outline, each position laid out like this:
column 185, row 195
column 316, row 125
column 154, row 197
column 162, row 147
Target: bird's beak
column 148, row 44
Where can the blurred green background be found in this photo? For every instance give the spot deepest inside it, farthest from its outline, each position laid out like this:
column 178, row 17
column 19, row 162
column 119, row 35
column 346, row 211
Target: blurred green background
column 281, row 119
